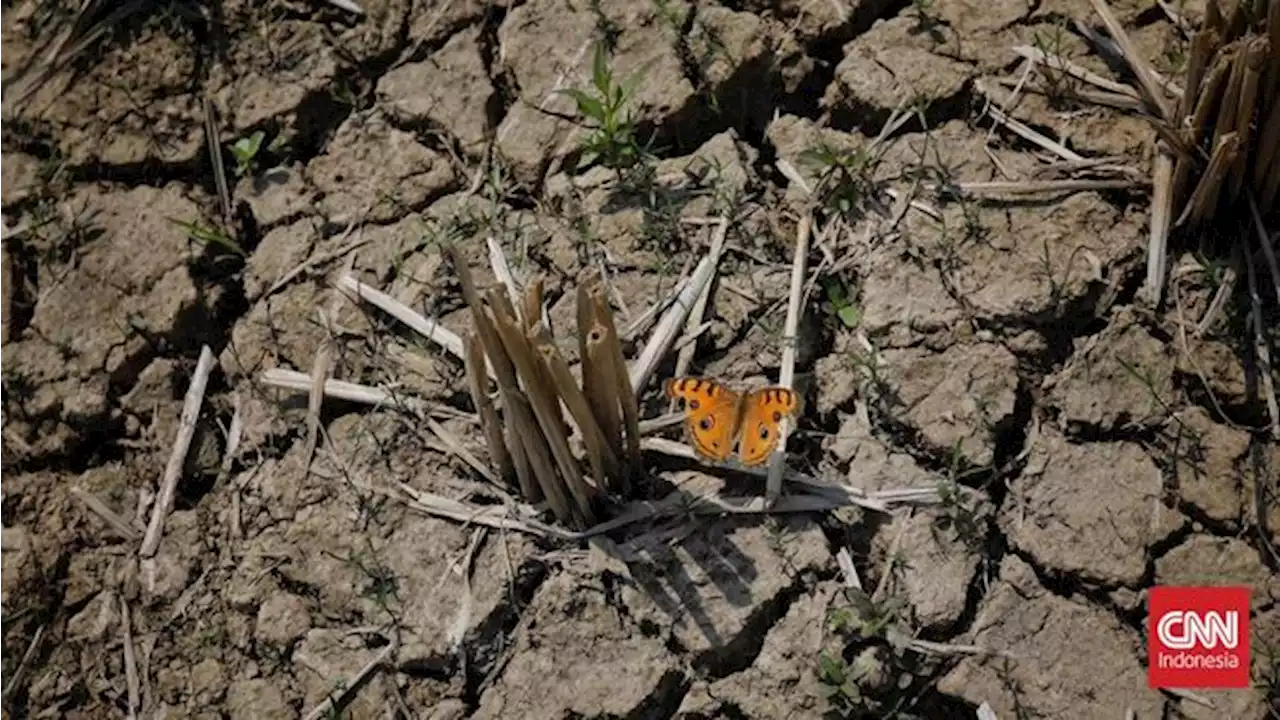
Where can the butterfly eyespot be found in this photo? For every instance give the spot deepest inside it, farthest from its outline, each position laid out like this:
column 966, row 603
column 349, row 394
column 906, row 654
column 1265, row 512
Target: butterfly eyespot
column 777, row 416
column 705, row 423
column 764, row 432
column 694, row 404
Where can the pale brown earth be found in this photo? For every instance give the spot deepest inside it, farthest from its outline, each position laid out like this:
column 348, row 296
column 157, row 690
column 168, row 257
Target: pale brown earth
column 1094, row 448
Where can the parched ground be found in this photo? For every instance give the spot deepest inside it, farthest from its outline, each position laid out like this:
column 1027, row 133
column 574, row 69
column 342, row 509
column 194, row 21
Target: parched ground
column 1085, row 447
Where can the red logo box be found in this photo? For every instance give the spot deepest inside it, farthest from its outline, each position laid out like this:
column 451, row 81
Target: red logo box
column 1198, row 637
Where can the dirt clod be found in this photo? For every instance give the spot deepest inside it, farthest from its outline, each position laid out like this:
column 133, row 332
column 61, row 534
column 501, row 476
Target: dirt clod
column 1094, row 510
column 960, row 401
column 574, row 637
column 1123, row 378
column 1044, row 635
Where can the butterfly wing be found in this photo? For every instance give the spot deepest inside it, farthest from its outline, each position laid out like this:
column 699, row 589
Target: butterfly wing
column 763, row 411
column 711, row 415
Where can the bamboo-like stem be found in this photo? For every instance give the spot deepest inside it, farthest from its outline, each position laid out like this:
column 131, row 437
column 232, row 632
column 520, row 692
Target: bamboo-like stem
column 1210, row 97
column 604, row 462
column 537, row 381
column 1026, row 132
column 1267, row 157
column 605, row 402
column 428, row 328
column 320, row 369
column 1033, row 187
column 122, row 527
column 1252, row 60
column 1213, row 17
column 546, row 409
column 1270, row 193
column 1273, row 28
column 1237, row 22
column 331, row 704
column 1203, row 46
column 530, row 447
column 1205, row 197
column 600, row 391
column 1196, row 126
column 520, row 430
column 490, row 422
column 1226, row 120
column 786, row 377
column 1268, row 148
column 625, row 389
column 1260, row 347
column 1063, row 65
column 530, row 483
column 213, row 140
column 130, row 662
column 1268, row 247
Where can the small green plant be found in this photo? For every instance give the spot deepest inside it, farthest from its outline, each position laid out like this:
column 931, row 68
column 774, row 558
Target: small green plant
column 864, row 622
column 959, row 513
column 868, row 364
column 210, row 235
column 245, row 150
column 839, row 685
column 838, row 302
column 845, row 175
column 867, row 617
column 1060, row 85
column 612, row 141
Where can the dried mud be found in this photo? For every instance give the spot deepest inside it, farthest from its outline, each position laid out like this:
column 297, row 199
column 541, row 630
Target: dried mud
column 1100, row 449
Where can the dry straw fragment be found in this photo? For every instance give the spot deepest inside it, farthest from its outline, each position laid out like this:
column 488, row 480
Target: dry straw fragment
column 786, row 376
column 490, row 423
column 1147, row 78
column 165, row 499
column 1161, row 216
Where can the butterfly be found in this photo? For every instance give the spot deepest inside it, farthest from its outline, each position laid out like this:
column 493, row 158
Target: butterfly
column 719, row 419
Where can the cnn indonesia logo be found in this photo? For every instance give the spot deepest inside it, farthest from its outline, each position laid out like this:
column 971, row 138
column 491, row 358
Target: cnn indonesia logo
column 1198, row 637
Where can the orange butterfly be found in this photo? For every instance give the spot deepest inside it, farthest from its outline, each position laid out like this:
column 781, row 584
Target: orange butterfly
column 719, row 419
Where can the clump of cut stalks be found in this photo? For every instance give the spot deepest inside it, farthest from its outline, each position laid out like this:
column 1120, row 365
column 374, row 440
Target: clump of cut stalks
column 1218, row 147
column 559, row 444
column 530, row 438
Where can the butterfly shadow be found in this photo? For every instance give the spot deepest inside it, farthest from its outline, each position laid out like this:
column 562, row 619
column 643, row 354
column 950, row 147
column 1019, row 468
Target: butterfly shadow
column 702, row 573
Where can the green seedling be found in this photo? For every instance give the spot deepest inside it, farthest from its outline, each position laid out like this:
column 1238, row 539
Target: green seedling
column 612, row 140
column 210, row 235
column 839, row 686
column 845, row 176
column 245, row 150
column 839, row 303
